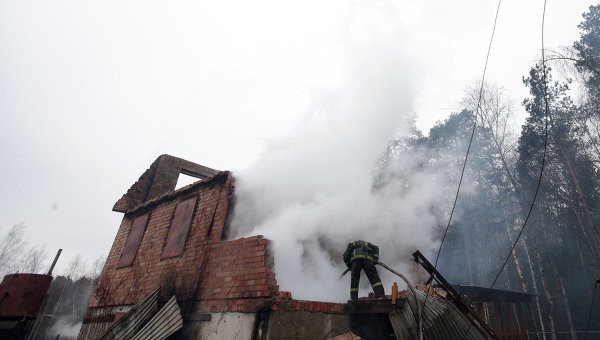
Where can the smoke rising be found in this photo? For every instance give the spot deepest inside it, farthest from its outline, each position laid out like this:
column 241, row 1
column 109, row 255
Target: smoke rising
column 312, row 192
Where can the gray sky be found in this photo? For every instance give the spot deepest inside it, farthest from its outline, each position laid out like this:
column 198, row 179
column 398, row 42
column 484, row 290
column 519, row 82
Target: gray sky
column 92, row 92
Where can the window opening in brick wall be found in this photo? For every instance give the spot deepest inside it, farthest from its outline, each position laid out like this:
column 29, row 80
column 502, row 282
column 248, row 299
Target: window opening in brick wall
column 134, row 239
column 185, row 179
column 179, row 229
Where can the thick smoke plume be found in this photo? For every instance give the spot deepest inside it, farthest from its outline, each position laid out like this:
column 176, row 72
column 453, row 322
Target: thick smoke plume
column 312, row 192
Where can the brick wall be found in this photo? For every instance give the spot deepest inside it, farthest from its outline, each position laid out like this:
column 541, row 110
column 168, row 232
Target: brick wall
column 167, row 173
column 284, row 302
column 239, row 277
column 180, row 275
column 160, row 179
column 217, row 275
column 212, row 275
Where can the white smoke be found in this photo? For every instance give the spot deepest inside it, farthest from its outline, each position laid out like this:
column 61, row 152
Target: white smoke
column 65, row 329
column 312, row 191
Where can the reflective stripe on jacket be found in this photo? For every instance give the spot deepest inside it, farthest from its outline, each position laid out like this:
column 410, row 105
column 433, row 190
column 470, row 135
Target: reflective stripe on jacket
column 360, row 250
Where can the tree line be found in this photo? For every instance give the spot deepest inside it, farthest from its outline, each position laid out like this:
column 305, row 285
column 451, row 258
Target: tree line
column 556, row 253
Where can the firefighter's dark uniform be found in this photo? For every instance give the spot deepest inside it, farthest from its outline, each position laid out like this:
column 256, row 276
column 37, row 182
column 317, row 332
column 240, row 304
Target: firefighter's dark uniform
column 360, row 255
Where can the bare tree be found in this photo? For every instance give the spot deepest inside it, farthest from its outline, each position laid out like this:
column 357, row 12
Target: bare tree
column 495, row 112
column 34, row 259
column 11, row 246
column 96, row 268
column 76, row 268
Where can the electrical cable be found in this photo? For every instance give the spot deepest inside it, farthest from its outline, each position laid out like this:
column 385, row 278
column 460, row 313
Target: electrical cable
column 478, row 108
column 546, row 117
column 587, row 329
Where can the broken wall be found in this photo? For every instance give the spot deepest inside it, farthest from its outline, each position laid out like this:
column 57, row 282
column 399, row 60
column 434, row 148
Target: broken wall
column 152, row 265
column 174, row 240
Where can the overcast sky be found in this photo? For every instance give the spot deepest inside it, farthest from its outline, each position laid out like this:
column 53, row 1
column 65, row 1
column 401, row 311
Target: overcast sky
column 92, row 92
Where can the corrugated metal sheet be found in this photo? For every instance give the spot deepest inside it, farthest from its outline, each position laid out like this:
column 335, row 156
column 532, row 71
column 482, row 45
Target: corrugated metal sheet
column 91, row 329
column 22, row 295
column 98, row 319
column 180, row 226
column 441, row 320
column 133, row 241
column 132, row 322
column 166, row 322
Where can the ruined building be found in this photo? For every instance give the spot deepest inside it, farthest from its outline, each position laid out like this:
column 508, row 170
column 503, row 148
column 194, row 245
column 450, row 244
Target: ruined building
column 172, row 273
column 174, row 241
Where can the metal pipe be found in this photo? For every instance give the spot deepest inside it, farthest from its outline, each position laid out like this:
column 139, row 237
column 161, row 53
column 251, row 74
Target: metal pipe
column 413, row 290
column 54, row 262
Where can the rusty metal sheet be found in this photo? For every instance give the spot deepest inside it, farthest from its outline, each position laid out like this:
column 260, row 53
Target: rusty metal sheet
column 180, row 226
column 22, row 295
column 134, row 239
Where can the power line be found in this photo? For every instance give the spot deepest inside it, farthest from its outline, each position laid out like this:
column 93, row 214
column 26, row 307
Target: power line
column 546, row 114
column 478, row 108
column 587, row 329
column 537, row 188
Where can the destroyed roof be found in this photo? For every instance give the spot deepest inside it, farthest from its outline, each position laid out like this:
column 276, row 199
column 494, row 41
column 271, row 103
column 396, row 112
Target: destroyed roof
column 441, row 319
column 160, row 179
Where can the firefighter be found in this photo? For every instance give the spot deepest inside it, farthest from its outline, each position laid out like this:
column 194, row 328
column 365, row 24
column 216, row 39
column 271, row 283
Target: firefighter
column 360, row 255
